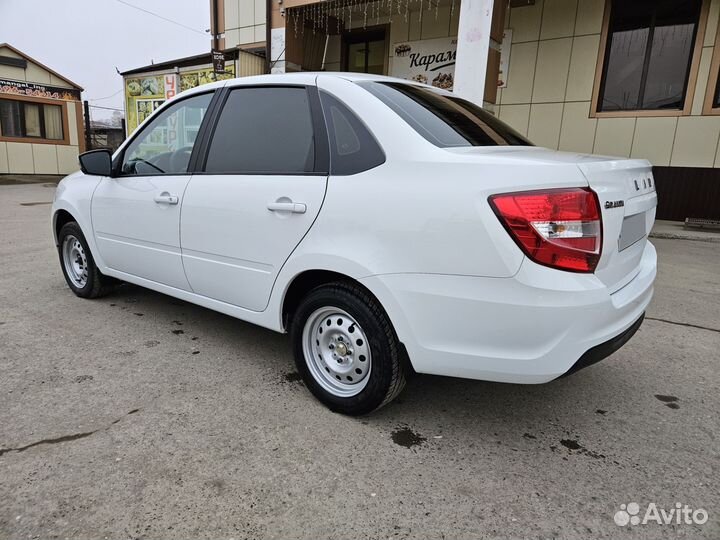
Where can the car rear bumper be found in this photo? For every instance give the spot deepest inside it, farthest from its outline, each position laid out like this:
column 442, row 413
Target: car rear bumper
column 531, row 328
column 602, row 351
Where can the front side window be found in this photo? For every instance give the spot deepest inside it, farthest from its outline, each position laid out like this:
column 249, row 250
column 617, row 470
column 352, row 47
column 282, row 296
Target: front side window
column 649, row 53
column 264, row 130
column 27, row 119
column 165, row 145
column 443, row 119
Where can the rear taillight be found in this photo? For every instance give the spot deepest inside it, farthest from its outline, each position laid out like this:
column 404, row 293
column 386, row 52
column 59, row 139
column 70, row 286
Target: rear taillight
column 560, row 228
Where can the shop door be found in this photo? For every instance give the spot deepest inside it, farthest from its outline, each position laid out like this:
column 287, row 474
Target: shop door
column 365, row 52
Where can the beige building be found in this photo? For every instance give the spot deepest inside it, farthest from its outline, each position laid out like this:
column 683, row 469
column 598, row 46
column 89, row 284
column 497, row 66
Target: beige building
column 41, row 127
column 577, row 68
column 632, row 79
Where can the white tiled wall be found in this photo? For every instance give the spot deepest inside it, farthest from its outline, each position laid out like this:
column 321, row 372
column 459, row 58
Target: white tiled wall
column 20, row 158
column 551, row 75
column 244, row 22
column 28, row 158
column 4, row 166
column 45, row 158
column 544, row 126
column 67, row 159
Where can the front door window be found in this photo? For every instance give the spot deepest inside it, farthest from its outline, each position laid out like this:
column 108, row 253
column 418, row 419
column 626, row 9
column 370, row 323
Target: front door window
column 165, row 144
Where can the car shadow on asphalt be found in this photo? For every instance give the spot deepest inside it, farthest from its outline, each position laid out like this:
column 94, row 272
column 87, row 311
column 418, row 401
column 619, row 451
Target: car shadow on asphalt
column 424, row 394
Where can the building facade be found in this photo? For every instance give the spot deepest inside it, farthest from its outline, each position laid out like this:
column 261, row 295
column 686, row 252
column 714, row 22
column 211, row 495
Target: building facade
column 243, row 23
column 632, row 79
column 41, row 118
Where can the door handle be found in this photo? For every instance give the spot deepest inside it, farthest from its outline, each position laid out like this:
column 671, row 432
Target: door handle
column 166, row 198
column 295, row 208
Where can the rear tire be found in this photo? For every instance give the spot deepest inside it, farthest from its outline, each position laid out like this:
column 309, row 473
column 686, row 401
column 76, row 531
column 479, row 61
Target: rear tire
column 78, row 265
column 346, row 349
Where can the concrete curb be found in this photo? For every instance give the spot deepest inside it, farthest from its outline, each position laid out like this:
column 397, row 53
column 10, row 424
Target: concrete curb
column 713, row 238
column 25, row 179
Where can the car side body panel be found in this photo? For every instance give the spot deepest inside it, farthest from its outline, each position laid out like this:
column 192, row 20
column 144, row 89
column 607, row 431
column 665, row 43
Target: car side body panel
column 74, row 195
column 418, row 232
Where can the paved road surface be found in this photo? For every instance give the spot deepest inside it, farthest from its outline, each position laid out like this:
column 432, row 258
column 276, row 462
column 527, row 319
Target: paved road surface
column 141, row 416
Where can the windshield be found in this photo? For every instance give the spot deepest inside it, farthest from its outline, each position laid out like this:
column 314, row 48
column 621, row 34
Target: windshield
column 444, row 120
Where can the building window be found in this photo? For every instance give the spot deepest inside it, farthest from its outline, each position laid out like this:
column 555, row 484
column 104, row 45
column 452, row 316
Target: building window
column 716, row 96
column 712, row 95
column 27, row 119
column 649, row 56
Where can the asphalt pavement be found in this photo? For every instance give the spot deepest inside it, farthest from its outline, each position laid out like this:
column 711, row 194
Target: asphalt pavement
column 141, row 416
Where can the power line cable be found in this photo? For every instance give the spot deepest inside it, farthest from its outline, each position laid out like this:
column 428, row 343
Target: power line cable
column 161, row 17
column 106, row 97
column 272, row 64
column 105, row 108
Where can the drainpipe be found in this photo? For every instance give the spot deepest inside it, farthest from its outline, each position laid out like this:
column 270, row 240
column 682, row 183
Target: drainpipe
column 268, row 30
column 214, row 24
column 327, row 41
column 472, row 49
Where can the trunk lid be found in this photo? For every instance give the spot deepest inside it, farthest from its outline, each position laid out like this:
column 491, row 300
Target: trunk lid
column 626, row 191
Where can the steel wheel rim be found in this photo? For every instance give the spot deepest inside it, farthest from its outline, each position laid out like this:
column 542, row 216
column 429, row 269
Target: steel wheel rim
column 337, row 351
column 75, row 261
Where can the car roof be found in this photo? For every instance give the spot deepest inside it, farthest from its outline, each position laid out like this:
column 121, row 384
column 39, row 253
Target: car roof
column 302, row 77
column 309, row 76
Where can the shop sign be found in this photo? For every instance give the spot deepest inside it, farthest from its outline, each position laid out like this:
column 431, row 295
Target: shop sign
column 170, row 86
column 171, row 90
column 430, row 61
column 22, row 88
column 218, row 60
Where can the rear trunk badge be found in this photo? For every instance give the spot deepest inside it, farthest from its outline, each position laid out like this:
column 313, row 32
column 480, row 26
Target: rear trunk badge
column 614, row 204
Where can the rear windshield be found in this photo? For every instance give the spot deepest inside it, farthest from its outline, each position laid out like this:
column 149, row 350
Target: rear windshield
column 444, row 120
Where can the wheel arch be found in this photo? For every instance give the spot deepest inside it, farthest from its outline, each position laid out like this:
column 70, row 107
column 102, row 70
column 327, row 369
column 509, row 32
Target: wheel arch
column 60, row 218
column 307, row 280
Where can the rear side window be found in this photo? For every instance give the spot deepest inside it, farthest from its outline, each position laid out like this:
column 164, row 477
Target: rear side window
column 263, row 130
column 353, row 149
column 444, row 120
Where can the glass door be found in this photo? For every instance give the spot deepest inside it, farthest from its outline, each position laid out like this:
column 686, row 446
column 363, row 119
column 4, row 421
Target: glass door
column 365, row 52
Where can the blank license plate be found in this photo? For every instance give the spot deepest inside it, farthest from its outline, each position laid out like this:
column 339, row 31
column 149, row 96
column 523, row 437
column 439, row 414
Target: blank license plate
column 633, row 229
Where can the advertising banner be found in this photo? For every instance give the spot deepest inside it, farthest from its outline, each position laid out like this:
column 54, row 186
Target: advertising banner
column 22, row 88
column 431, row 61
column 145, row 93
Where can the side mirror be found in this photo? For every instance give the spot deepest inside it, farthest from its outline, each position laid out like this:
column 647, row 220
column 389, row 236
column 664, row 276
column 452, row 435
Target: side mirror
column 96, row 162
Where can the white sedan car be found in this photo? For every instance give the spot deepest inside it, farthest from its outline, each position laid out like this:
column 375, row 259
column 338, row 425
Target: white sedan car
column 390, row 227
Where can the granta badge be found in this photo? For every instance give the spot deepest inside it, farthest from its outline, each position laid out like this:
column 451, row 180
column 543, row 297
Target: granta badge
column 614, row 204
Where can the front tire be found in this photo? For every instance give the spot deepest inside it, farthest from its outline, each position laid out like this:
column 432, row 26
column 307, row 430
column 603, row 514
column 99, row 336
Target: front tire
column 346, row 349
column 78, row 265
